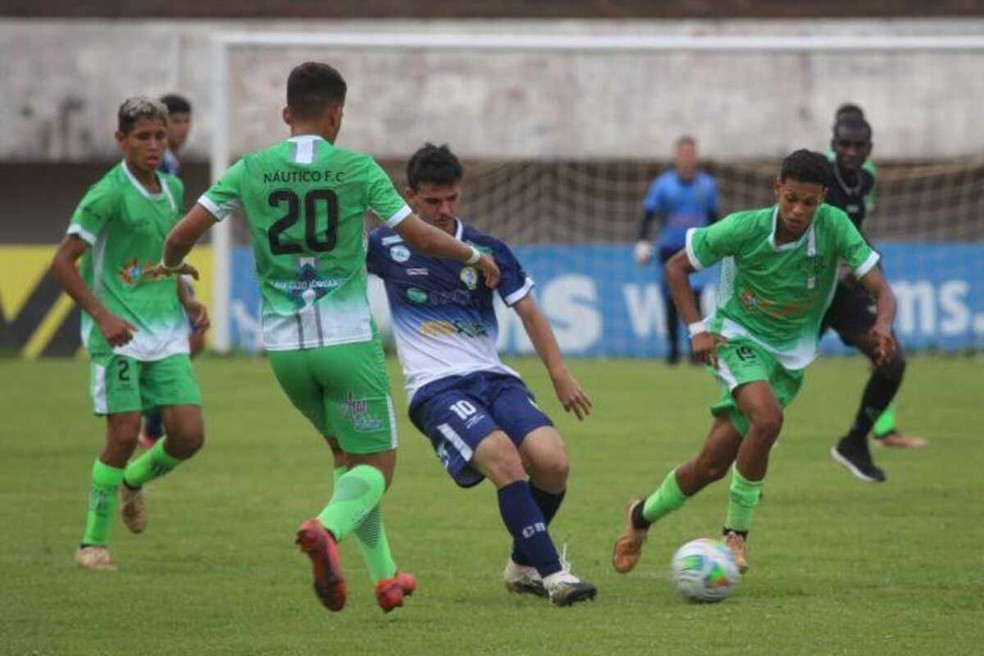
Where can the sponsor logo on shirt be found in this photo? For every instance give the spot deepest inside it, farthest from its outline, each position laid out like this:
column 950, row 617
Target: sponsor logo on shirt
column 469, row 276
column 439, row 297
column 775, row 309
column 400, row 253
column 308, row 287
column 415, row 295
column 392, row 239
column 133, row 273
column 456, row 327
column 423, row 271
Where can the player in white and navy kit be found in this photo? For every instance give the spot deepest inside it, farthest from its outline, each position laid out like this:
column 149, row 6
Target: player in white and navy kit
column 481, row 419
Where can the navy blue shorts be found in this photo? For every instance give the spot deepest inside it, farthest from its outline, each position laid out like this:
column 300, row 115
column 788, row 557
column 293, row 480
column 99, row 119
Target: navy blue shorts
column 458, row 412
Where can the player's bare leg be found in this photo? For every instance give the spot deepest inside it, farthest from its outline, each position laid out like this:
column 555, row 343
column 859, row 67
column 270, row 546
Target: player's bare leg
column 761, row 409
column 710, row 465
column 185, row 429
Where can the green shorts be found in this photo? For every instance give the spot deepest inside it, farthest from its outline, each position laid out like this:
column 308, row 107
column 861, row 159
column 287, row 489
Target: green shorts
column 120, row 383
column 344, row 391
column 741, row 361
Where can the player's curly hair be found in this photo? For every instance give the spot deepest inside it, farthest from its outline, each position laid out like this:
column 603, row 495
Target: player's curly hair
column 137, row 107
column 313, row 87
column 853, row 125
column 848, row 110
column 805, row 166
column 435, row 165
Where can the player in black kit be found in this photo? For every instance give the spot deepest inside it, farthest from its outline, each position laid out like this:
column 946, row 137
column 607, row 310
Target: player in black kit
column 850, row 313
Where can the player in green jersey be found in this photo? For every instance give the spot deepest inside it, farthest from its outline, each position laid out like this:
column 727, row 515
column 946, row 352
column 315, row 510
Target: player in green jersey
column 134, row 323
column 178, row 127
column 779, row 271
column 304, row 201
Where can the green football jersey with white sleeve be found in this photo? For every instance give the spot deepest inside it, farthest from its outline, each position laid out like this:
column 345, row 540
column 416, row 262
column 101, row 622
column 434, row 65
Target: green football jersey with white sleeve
column 305, row 200
column 776, row 294
column 126, row 225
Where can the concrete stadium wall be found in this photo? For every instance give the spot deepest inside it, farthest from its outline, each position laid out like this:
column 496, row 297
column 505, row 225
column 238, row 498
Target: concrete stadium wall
column 63, row 80
column 590, row 9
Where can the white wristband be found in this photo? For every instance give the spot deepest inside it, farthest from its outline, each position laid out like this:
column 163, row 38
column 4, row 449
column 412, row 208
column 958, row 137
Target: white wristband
column 172, row 269
column 474, row 257
column 696, row 328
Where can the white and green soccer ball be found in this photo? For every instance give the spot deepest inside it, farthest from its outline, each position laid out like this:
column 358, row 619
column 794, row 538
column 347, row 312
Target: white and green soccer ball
column 704, row 570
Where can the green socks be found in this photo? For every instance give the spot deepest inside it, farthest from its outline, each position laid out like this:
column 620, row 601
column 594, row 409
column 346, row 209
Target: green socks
column 743, row 499
column 664, row 500
column 741, row 505
column 356, row 493
column 374, row 546
column 102, row 503
column 371, row 538
column 152, row 464
column 885, row 424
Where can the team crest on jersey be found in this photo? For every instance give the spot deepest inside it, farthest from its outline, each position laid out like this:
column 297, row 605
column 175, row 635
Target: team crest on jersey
column 813, row 266
column 469, row 276
column 133, row 273
column 400, row 253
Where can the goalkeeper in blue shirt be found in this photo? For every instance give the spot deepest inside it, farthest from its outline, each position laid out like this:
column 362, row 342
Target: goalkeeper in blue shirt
column 682, row 198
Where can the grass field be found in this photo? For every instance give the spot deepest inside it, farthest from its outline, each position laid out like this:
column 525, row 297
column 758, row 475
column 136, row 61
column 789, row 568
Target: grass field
column 838, row 566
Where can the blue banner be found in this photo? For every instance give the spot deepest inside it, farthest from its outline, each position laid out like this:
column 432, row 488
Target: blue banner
column 601, row 304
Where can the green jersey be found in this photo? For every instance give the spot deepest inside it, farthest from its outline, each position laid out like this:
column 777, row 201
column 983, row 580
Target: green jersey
column 776, row 294
column 126, row 225
column 305, row 202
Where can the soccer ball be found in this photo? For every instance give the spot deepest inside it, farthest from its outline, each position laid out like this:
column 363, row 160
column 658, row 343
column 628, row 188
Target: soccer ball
column 704, row 570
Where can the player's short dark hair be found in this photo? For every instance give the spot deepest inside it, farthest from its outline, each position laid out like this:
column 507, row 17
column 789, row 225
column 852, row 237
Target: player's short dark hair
column 848, row 110
column 137, row 107
column 176, row 104
column 686, row 139
column 435, row 165
column 313, row 87
column 853, row 124
column 805, row 166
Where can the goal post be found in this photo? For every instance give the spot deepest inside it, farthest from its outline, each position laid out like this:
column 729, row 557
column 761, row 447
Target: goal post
column 221, row 151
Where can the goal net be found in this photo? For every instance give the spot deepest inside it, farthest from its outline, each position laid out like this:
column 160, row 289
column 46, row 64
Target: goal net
column 562, row 135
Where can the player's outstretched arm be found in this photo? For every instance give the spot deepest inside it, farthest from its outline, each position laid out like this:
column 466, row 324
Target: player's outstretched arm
column 116, row 331
column 703, row 344
column 568, row 390
column 182, row 239
column 428, row 240
column 877, row 285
